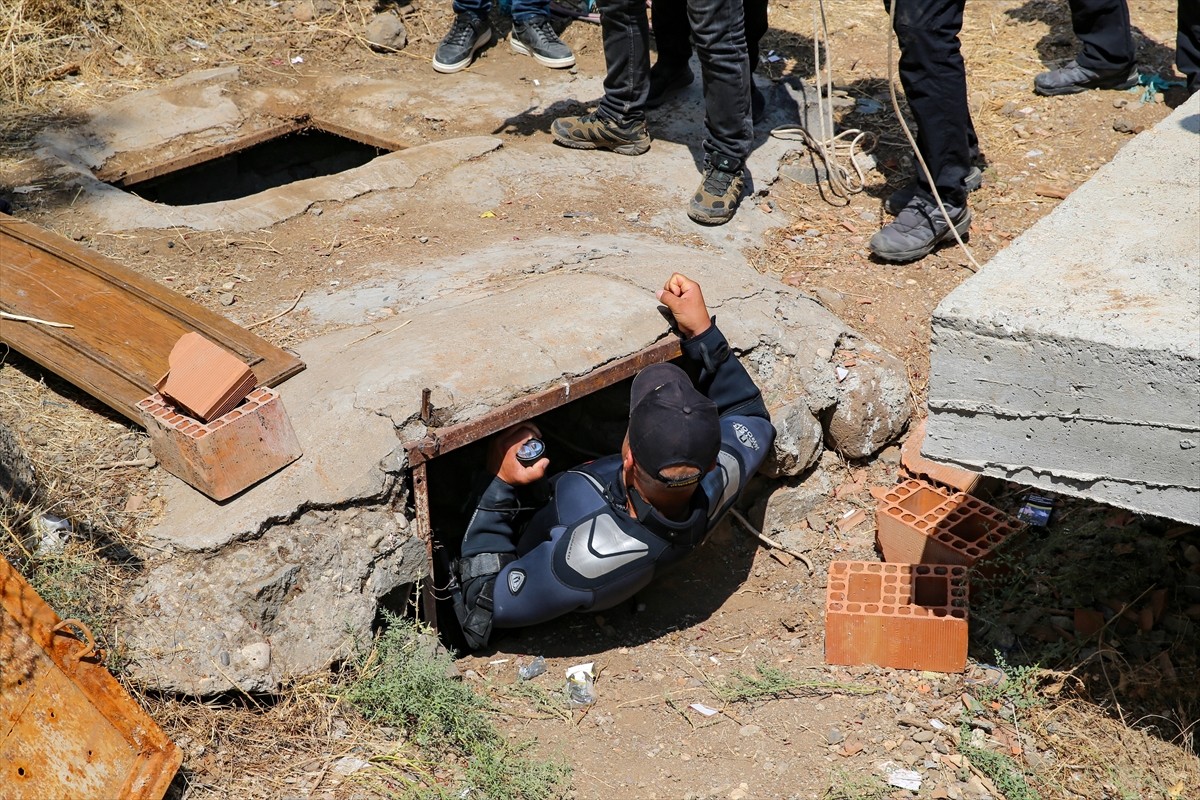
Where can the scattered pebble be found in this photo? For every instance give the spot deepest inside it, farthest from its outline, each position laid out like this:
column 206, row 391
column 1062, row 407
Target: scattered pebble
column 226, row 298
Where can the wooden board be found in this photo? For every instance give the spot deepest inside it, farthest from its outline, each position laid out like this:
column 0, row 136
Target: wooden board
column 67, row 727
column 125, row 323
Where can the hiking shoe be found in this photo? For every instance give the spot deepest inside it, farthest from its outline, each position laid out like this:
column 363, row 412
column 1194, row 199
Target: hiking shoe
column 918, row 229
column 720, row 192
column 535, row 37
column 594, row 132
column 466, row 36
column 667, row 81
column 898, row 199
column 1072, row 79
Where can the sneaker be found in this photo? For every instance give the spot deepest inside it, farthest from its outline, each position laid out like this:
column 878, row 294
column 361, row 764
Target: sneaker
column 1072, row 79
column 535, row 37
column 594, row 132
column 667, row 81
column 918, row 229
column 898, row 199
column 720, row 192
column 458, row 47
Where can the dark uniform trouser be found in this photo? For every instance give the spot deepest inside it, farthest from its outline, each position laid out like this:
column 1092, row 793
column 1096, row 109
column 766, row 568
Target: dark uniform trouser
column 1105, row 37
column 935, row 83
column 672, row 32
column 1187, row 43
column 719, row 34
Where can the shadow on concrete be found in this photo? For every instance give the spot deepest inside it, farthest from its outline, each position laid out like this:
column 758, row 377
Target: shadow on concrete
column 1059, row 44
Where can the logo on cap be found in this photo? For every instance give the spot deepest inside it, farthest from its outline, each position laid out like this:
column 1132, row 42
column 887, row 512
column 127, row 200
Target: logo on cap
column 516, row 581
column 745, row 436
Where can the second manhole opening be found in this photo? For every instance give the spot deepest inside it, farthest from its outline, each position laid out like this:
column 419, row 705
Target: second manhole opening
column 580, row 420
column 279, row 156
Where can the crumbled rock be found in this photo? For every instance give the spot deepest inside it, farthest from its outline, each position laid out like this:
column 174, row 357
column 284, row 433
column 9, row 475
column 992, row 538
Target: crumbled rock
column 386, row 32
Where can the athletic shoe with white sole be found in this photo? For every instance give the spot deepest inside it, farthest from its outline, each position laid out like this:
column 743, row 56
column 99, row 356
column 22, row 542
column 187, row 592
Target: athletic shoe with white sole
column 536, row 37
column 466, row 36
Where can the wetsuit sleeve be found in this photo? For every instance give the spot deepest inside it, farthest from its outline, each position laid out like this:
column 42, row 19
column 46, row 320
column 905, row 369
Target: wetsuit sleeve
column 491, row 527
column 746, row 430
column 723, row 379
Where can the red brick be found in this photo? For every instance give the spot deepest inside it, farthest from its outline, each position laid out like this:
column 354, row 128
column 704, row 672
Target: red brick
column 917, row 523
column 947, row 475
column 228, row 454
column 902, row 616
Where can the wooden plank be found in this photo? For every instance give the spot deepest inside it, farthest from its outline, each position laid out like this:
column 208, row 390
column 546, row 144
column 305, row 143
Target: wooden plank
column 125, row 323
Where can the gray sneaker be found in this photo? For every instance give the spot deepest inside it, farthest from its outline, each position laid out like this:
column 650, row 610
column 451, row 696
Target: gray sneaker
column 898, row 199
column 1071, row 78
column 466, row 36
column 918, row 229
column 536, row 37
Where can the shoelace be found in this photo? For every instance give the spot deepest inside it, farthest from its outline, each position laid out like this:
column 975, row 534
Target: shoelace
column 717, row 181
column 542, row 28
column 461, row 33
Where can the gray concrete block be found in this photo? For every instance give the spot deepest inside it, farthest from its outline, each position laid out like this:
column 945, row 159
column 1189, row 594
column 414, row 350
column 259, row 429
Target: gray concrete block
column 1072, row 360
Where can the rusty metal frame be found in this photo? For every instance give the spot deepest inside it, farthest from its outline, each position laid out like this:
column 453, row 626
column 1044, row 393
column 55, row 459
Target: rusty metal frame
column 67, row 727
column 305, row 122
column 439, row 441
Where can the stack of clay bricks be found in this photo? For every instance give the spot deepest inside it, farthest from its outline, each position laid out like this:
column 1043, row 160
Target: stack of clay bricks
column 211, row 431
column 911, row 612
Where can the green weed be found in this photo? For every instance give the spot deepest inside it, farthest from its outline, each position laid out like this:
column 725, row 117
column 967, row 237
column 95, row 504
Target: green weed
column 1018, row 687
column 771, row 682
column 402, row 683
column 999, row 768
column 845, row 786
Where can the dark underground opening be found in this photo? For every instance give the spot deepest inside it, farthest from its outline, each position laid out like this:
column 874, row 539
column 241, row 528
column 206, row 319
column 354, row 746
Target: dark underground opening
column 575, row 433
column 307, row 153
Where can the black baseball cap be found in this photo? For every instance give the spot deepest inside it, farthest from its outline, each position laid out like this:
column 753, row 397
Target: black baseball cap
column 671, row 424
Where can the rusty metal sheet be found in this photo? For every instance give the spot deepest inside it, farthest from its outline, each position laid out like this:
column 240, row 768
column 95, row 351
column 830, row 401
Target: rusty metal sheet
column 67, row 727
column 125, row 324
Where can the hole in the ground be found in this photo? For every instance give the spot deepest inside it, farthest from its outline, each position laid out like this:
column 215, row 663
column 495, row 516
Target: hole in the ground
column 252, row 165
column 581, row 420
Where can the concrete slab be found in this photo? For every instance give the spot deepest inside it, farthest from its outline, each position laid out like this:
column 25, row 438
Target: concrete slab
column 1071, row 362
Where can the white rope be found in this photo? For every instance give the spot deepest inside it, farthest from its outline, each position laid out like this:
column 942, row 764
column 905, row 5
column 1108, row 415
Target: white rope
column 830, row 148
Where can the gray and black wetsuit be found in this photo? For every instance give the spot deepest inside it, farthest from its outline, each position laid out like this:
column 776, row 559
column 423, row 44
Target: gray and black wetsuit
column 583, row 551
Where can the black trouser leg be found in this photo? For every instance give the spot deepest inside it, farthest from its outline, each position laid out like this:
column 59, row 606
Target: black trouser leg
column 719, row 34
column 672, row 33
column 626, row 34
column 935, row 82
column 756, row 26
column 1104, row 33
column 1187, row 43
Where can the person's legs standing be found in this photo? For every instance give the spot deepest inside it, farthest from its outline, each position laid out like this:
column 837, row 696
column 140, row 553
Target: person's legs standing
column 469, row 32
column 619, row 123
column 673, row 42
column 719, row 35
column 1106, row 51
column 935, row 84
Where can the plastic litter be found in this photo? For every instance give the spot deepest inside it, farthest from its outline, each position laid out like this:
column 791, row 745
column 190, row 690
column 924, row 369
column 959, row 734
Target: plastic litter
column 532, row 669
column 581, row 688
column 901, row 778
column 1036, row 510
column 703, row 709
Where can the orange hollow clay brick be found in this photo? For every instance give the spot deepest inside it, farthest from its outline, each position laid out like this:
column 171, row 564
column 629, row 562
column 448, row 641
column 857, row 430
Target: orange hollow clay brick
column 228, row 454
column 917, row 523
column 902, row 616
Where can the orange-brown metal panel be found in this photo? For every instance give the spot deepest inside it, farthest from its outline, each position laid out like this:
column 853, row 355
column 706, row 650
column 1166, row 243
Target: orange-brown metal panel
column 67, row 727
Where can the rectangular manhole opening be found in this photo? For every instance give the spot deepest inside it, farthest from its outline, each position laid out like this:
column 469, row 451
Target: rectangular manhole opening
column 264, row 160
column 580, row 420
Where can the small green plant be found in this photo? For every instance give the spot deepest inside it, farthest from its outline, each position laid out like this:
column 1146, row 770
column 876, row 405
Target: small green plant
column 845, row 786
column 771, row 682
column 998, row 767
column 404, row 683
column 1019, row 686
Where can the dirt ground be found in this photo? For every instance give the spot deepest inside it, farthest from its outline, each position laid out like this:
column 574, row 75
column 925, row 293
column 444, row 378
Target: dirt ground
column 1112, row 714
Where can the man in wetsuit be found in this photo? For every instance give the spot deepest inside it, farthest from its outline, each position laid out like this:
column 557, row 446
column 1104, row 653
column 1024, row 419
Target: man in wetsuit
column 610, row 524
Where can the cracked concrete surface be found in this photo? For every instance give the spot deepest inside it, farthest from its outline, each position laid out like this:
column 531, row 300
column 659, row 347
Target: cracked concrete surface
column 1071, row 362
column 277, row 580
